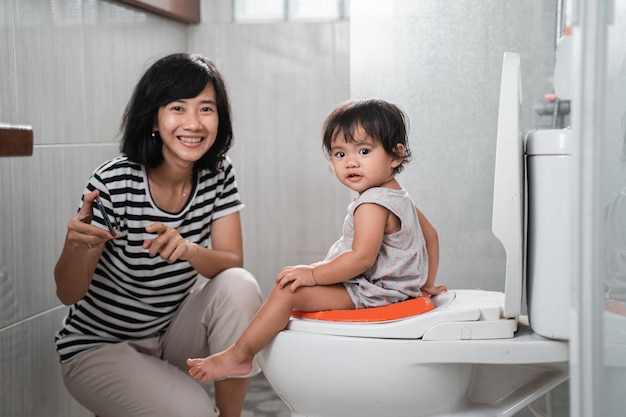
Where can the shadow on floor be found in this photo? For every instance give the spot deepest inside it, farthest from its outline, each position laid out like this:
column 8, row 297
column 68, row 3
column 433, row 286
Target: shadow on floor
column 261, row 401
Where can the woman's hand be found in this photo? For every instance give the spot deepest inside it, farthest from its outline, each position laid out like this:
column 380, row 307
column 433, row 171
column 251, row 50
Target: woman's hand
column 298, row 276
column 168, row 244
column 76, row 264
column 80, row 232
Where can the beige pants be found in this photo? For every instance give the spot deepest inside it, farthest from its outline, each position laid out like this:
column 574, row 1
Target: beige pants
column 149, row 377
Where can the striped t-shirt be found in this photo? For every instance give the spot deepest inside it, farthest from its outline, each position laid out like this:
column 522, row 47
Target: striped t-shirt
column 133, row 295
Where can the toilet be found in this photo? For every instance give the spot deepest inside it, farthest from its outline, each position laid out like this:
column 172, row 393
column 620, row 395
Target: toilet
column 471, row 353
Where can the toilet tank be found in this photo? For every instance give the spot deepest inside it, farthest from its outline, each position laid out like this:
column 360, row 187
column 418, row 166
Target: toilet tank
column 550, row 180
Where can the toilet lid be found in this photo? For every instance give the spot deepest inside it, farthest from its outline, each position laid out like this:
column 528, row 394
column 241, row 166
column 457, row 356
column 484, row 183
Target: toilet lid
column 507, row 221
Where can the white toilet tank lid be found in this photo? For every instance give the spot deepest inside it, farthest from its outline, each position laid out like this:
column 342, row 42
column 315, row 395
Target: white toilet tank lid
column 549, row 142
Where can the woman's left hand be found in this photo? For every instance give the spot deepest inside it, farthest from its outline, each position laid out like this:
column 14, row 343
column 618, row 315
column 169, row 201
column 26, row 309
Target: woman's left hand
column 168, row 243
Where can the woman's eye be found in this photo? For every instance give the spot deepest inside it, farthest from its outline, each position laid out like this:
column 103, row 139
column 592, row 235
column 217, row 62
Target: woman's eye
column 207, row 109
column 177, row 108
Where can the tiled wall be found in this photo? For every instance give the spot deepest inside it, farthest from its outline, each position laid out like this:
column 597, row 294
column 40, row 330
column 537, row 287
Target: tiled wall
column 67, row 67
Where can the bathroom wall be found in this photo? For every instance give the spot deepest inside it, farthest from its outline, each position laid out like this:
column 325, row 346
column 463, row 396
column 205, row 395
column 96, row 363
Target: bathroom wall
column 67, row 67
column 284, row 79
column 446, row 61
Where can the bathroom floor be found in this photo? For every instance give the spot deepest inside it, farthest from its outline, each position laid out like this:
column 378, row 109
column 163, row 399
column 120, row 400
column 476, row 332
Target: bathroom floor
column 261, row 401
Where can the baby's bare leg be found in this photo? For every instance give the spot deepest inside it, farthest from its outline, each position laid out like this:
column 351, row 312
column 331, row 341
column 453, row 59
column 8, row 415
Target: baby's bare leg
column 269, row 320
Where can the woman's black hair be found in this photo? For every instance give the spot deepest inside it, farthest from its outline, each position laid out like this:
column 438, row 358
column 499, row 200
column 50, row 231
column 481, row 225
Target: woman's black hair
column 381, row 120
column 174, row 77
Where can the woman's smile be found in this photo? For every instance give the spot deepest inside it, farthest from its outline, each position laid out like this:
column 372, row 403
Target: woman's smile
column 190, row 140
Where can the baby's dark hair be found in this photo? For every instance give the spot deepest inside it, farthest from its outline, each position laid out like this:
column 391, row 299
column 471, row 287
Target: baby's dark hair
column 381, row 120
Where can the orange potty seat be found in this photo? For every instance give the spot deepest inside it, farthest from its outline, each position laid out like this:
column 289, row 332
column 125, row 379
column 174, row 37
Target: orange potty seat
column 390, row 312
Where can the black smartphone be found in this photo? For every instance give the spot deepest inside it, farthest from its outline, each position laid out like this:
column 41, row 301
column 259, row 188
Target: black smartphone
column 105, row 216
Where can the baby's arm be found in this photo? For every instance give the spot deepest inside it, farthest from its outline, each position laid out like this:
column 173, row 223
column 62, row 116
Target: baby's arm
column 369, row 228
column 432, row 248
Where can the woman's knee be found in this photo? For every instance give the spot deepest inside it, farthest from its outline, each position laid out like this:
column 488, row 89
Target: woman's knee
column 239, row 286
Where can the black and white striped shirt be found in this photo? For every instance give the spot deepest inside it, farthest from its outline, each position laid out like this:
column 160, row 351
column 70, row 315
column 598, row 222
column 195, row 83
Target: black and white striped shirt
column 133, row 295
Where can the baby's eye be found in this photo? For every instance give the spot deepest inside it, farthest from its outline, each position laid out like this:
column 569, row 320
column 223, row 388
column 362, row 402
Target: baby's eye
column 340, row 154
column 364, row 151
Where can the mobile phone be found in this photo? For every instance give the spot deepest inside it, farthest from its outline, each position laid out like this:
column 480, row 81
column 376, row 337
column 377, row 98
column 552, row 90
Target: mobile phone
column 105, row 216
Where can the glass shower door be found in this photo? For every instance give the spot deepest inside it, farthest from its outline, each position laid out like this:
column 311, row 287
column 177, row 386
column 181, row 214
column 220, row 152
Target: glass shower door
column 598, row 347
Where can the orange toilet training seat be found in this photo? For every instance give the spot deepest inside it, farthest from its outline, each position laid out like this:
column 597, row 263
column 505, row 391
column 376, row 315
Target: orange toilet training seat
column 395, row 311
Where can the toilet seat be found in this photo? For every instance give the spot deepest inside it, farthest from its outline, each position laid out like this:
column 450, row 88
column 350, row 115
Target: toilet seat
column 458, row 315
column 396, row 311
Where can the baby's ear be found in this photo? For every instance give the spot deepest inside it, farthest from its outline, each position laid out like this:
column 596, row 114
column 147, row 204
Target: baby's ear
column 399, row 150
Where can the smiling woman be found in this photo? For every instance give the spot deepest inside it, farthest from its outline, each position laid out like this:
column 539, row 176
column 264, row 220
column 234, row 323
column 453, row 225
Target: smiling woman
column 187, row 11
column 136, row 313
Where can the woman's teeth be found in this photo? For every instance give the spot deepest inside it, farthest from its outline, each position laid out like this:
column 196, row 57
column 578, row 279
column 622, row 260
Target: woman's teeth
column 189, row 140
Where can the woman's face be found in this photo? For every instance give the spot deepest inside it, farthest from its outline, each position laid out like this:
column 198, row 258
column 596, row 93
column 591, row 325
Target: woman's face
column 188, row 127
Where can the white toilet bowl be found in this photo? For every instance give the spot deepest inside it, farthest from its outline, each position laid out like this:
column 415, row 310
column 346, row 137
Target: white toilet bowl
column 473, row 355
column 437, row 372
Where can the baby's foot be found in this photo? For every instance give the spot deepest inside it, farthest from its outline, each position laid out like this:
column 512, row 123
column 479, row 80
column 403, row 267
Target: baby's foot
column 220, row 365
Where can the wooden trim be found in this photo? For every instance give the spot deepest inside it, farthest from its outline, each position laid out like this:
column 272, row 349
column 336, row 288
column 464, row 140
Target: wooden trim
column 186, row 11
column 16, row 140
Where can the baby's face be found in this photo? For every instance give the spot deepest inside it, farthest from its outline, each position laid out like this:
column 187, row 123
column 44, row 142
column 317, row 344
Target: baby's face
column 361, row 163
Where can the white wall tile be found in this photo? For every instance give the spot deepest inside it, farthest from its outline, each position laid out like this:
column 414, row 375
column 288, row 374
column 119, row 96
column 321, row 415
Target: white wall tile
column 30, row 375
column 39, row 195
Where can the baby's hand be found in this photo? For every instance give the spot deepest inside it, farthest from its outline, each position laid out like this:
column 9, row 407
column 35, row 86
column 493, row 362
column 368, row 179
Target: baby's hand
column 435, row 289
column 300, row 275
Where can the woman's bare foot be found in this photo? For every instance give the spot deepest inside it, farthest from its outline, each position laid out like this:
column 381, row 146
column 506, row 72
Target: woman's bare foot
column 223, row 364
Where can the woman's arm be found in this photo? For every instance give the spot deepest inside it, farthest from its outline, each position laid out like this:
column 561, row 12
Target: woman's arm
column 83, row 246
column 226, row 246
